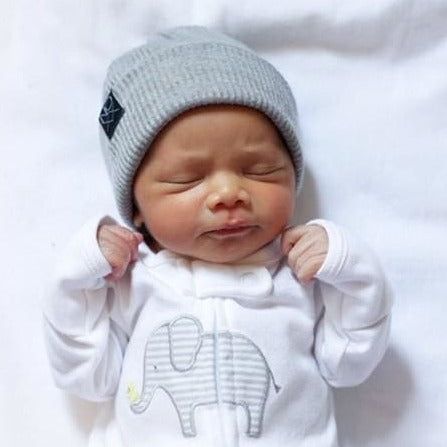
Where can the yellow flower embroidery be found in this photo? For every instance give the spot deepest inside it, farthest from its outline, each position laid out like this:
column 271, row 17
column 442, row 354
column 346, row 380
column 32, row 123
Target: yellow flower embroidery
column 132, row 393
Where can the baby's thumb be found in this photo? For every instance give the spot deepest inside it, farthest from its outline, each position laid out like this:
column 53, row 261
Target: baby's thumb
column 140, row 239
column 139, row 236
column 117, row 272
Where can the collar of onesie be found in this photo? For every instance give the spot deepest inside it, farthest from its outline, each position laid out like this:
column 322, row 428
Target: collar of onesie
column 249, row 280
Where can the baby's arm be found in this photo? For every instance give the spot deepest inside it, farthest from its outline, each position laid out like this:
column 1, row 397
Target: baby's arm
column 85, row 346
column 352, row 335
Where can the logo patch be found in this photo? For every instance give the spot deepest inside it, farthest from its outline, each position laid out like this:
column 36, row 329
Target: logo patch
column 110, row 115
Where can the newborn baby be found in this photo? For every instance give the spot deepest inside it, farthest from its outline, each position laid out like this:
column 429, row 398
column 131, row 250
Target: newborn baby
column 210, row 318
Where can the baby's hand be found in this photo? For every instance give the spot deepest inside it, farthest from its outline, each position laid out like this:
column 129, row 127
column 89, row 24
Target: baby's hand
column 306, row 247
column 119, row 246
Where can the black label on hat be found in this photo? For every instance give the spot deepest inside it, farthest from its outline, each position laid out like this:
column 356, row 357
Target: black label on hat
column 110, row 115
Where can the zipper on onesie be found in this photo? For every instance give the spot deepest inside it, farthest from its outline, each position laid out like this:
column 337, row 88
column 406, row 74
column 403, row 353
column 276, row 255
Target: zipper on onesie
column 227, row 413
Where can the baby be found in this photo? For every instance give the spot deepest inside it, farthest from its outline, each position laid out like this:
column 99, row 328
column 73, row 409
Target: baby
column 211, row 320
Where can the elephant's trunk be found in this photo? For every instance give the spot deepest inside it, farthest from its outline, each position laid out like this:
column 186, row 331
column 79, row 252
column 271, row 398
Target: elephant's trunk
column 138, row 404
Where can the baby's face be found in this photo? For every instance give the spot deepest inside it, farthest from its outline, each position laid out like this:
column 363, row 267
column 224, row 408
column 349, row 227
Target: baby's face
column 217, row 184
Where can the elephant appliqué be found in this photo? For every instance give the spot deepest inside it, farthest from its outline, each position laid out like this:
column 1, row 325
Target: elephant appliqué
column 202, row 368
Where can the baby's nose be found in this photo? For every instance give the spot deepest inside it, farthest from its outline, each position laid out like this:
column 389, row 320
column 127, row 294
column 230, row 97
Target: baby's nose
column 227, row 191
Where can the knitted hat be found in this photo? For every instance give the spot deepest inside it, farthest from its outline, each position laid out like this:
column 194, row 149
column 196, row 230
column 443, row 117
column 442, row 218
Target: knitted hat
column 179, row 69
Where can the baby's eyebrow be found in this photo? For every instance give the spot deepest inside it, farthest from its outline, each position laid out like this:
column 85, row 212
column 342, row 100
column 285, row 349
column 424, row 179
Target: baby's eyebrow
column 254, row 152
column 193, row 159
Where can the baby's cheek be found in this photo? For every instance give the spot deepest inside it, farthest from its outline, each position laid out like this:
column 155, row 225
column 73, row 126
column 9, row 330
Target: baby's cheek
column 170, row 222
column 280, row 204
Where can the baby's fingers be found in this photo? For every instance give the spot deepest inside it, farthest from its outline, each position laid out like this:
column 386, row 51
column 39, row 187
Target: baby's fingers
column 129, row 238
column 119, row 245
column 306, row 270
column 119, row 256
column 291, row 236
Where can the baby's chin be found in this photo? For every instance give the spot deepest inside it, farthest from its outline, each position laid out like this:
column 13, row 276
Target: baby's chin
column 215, row 256
column 219, row 258
column 241, row 253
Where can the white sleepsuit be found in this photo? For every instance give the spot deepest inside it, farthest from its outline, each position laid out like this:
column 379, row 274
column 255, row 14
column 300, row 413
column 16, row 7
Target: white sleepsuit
column 201, row 354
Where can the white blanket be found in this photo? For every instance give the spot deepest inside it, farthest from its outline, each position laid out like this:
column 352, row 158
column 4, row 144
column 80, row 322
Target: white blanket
column 371, row 88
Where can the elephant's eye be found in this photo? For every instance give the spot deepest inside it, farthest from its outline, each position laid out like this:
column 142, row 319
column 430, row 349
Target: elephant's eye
column 155, row 367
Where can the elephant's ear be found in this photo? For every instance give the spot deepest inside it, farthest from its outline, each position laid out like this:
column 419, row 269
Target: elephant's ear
column 185, row 339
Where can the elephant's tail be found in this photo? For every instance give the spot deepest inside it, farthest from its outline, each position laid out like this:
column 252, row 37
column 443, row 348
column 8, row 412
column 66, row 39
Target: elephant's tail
column 277, row 387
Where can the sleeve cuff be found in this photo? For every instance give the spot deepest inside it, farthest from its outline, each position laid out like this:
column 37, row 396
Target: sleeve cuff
column 80, row 268
column 337, row 251
column 95, row 261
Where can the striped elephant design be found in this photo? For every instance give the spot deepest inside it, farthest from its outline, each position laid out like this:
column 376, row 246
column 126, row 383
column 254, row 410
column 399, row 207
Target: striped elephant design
column 202, row 368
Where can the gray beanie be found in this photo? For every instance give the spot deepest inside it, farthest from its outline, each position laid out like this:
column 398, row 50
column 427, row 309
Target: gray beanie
column 179, row 69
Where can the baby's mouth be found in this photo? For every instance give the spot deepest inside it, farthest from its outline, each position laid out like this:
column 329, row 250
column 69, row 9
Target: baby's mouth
column 230, row 232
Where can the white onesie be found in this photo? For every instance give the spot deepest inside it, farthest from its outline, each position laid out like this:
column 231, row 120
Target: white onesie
column 201, row 354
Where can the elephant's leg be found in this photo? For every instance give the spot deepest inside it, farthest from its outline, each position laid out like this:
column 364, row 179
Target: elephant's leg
column 185, row 410
column 255, row 415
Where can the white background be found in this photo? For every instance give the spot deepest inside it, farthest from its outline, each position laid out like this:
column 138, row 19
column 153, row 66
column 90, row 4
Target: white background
column 371, row 87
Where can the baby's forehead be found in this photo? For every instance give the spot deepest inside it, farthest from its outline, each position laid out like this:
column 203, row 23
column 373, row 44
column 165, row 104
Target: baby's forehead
column 197, row 158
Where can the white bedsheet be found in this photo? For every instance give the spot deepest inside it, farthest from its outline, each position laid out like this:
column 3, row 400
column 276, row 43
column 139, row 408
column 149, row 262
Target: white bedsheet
column 371, row 87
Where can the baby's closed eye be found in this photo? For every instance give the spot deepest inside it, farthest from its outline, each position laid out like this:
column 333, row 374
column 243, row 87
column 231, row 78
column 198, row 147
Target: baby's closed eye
column 263, row 170
column 183, row 180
